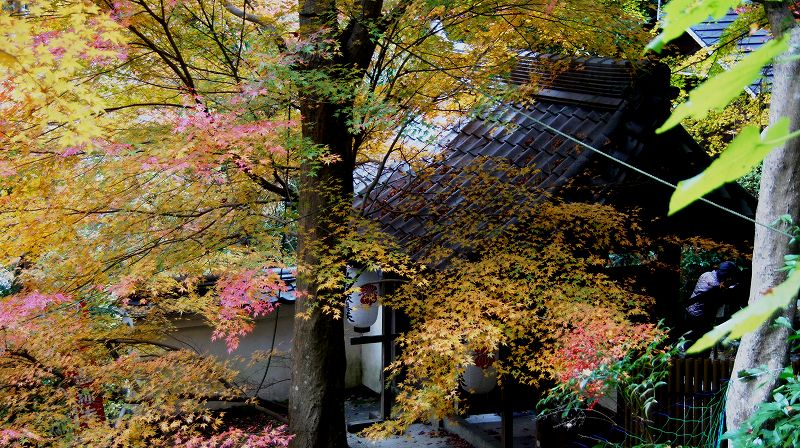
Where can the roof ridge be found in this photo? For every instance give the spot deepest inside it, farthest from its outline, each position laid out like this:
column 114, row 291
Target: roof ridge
column 597, row 81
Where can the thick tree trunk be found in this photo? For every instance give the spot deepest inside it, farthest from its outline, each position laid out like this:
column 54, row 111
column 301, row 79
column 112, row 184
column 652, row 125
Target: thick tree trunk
column 316, row 404
column 779, row 195
column 316, row 398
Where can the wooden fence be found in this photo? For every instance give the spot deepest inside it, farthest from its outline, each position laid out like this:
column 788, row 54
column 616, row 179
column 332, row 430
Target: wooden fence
column 690, row 406
column 686, row 413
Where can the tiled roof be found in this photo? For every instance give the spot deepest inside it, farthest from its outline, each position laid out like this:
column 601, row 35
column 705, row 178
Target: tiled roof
column 514, row 137
column 409, row 205
column 710, row 32
column 208, row 282
column 591, row 80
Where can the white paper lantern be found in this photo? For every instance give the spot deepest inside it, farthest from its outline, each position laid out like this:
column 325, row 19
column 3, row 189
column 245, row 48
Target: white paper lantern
column 362, row 305
column 480, row 377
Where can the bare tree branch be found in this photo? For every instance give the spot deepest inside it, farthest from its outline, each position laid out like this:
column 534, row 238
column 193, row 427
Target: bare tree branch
column 268, row 27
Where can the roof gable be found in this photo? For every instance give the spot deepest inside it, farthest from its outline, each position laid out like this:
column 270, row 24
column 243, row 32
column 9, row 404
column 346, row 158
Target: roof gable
column 536, row 134
column 709, row 33
column 595, row 81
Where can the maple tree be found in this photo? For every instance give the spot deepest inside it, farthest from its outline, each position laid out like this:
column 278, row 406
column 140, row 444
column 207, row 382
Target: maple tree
column 95, row 213
column 65, row 365
column 151, row 143
column 390, row 35
column 515, row 268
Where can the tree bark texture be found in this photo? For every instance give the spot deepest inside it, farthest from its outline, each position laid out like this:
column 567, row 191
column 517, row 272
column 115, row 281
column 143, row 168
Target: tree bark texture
column 316, row 398
column 779, row 195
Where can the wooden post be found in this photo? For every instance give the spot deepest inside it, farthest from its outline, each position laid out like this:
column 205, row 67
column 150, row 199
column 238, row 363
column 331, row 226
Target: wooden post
column 506, row 407
column 388, row 334
column 387, row 355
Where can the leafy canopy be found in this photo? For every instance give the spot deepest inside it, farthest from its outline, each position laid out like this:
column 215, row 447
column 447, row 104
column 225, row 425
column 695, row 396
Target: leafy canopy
column 514, row 269
column 151, row 145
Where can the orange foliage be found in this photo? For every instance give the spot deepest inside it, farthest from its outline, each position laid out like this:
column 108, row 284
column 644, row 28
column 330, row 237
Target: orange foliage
column 522, row 271
column 146, row 141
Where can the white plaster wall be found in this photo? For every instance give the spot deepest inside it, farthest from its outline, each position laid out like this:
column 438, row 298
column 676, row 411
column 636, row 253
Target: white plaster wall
column 371, row 362
column 352, row 353
column 193, row 333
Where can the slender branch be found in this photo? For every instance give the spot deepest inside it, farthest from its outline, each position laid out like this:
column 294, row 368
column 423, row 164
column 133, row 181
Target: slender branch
column 284, row 191
column 112, row 109
column 23, row 354
column 165, row 56
column 268, row 27
column 249, row 401
column 382, row 167
column 213, row 35
column 131, row 341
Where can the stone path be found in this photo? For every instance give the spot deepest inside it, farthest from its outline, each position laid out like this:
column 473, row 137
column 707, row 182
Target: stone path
column 418, row 435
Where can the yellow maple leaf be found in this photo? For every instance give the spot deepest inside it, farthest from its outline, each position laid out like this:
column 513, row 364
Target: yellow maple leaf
column 7, row 59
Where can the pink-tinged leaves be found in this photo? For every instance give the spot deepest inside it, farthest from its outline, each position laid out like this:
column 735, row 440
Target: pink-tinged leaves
column 71, row 151
column 269, row 437
column 122, row 12
column 243, row 297
column 7, row 169
column 125, row 287
column 107, row 51
column 10, row 437
column 43, row 39
column 16, row 309
column 210, row 140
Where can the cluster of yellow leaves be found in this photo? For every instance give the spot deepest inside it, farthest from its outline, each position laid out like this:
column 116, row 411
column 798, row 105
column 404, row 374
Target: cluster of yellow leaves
column 521, row 271
column 53, row 359
column 720, row 127
column 357, row 244
column 133, row 199
column 88, row 198
column 47, row 46
column 126, row 203
column 147, row 199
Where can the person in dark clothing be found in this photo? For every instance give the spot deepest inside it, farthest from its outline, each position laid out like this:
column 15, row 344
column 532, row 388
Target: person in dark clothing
column 713, row 289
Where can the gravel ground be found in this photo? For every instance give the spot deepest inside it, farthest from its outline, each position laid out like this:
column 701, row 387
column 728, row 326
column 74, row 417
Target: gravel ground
column 418, row 435
column 363, row 404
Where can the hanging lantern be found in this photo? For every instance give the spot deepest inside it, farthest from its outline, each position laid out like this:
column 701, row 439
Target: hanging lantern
column 481, row 376
column 362, row 305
